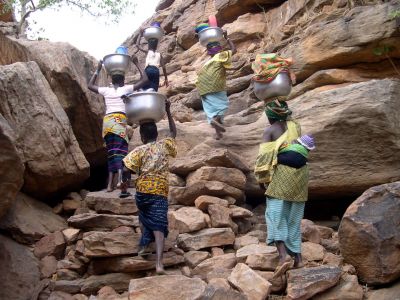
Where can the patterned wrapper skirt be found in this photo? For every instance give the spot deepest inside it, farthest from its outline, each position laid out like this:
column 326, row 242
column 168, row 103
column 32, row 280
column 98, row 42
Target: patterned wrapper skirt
column 153, row 215
column 114, row 134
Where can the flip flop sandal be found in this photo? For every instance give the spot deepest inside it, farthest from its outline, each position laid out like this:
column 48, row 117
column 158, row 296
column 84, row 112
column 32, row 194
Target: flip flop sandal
column 144, row 252
column 160, row 273
column 124, row 194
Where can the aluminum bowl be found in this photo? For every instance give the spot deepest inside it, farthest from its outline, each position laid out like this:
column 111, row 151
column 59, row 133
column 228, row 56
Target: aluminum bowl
column 210, row 35
column 116, row 64
column 280, row 86
column 153, row 32
column 142, row 107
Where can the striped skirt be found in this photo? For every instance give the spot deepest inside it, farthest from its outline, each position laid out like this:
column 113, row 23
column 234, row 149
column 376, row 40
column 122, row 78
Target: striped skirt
column 284, row 223
column 153, row 216
column 117, row 149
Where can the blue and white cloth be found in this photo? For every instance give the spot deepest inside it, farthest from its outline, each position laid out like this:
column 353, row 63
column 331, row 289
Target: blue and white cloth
column 284, row 223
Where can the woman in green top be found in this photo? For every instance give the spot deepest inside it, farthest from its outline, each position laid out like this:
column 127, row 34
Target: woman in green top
column 211, row 84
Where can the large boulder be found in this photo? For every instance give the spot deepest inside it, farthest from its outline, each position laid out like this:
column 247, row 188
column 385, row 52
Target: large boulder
column 28, row 220
column 369, row 234
column 67, row 70
column 19, row 272
column 352, row 39
column 12, row 169
column 354, row 117
column 44, row 137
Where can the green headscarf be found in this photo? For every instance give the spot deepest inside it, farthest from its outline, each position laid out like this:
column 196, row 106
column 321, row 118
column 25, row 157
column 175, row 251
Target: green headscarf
column 277, row 110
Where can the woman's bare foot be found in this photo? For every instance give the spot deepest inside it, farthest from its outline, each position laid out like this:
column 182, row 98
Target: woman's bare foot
column 160, row 269
column 217, row 125
column 109, row 189
column 298, row 261
column 218, row 135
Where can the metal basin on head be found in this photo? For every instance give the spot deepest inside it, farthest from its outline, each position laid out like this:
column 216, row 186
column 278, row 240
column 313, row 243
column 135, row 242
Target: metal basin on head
column 116, row 64
column 153, row 32
column 280, row 86
column 142, row 107
column 210, row 35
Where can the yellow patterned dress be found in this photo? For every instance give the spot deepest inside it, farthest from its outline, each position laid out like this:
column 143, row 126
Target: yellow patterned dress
column 151, row 163
column 211, row 84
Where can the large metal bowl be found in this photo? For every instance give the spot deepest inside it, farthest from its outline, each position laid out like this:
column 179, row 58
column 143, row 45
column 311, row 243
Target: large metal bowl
column 153, row 32
column 116, row 64
column 280, row 86
column 142, row 107
column 210, row 35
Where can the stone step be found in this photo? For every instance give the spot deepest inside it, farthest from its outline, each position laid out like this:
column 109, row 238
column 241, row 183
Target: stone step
column 206, row 238
column 166, row 287
column 133, row 263
column 90, row 285
column 106, row 222
column 111, row 244
column 110, row 203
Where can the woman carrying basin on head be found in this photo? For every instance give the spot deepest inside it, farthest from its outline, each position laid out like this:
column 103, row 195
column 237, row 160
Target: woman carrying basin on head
column 115, row 121
column 211, row 82
column 154, row 60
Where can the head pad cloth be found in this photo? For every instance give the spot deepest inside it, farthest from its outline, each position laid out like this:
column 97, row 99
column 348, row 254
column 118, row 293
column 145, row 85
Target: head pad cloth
column 267, row 66
column 155, row 24
column 277, row 110
column 201, row 26
column 214, row 48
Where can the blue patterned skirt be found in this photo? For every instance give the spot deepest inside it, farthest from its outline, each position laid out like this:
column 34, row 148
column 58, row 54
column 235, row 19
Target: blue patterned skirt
column 153, row 215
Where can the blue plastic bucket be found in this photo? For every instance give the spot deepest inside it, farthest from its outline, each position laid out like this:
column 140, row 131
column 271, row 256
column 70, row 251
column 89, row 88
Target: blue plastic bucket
column 121, row 50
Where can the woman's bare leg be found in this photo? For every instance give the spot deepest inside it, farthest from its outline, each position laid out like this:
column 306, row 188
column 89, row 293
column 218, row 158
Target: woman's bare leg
column 110, row 182
column 159, row 236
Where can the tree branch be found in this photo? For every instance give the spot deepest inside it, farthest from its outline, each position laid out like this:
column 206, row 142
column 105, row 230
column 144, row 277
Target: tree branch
column 82, row 7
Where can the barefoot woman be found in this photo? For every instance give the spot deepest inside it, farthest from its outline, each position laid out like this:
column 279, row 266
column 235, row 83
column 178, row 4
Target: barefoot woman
column 114, row 122
column 211, row 84
column 287, row 189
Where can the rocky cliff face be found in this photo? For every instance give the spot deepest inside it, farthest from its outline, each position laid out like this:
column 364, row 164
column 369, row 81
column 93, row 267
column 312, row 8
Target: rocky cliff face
column 347, row 59
column 334, row 45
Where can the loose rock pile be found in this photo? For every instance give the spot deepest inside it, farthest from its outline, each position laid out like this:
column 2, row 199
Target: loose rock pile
column 215, row 248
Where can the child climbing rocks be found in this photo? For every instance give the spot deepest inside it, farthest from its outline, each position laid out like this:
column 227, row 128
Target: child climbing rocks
column 211, row 84
column 150, row 163
column 154, row 60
